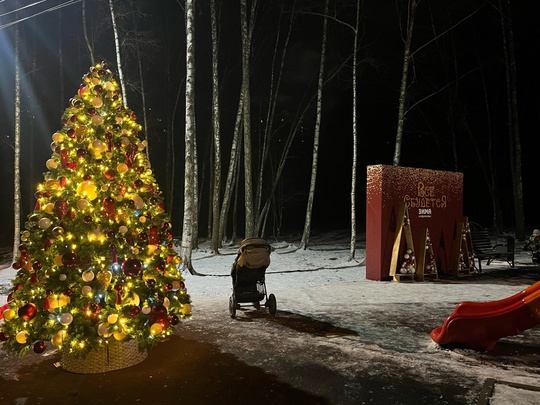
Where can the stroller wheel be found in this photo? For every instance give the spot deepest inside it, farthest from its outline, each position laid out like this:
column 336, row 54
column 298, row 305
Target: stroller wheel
column 257, row 305
column 272, row 304
column 232, row 306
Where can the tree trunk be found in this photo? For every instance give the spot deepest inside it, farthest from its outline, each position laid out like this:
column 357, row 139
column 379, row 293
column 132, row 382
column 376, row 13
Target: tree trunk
column 216, row 131
column 513, row 119
column 352, row 250
column 17, row 151
column 309, row 210
column 117, row 51
column 232, row 177
column 189, row 198
column 85, row 32
column 248, row 192
column 413, row 4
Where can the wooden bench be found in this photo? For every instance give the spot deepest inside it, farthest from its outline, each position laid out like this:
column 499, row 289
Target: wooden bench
column 483, row 249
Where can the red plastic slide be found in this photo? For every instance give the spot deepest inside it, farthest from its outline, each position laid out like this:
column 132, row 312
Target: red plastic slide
column 478, row 325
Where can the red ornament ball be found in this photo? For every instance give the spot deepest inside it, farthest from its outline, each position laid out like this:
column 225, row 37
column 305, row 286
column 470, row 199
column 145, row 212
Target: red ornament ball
column 158, row 313
column 27, row 311
column 39, row 347
column 110, row 174
column 160, row 266
column 134, row 311
column 70, row 259
column 173, row 320
column 132, row 267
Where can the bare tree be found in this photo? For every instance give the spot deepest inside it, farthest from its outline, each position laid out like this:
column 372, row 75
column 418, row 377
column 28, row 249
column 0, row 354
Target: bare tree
column 307, row 225
column 232, row 177
column 246, row 102
column 216, row 130
column 118, row 54
column 85, row 32
column 412, row 5
column 189, row 197
column 355, row 136
column 17, row 150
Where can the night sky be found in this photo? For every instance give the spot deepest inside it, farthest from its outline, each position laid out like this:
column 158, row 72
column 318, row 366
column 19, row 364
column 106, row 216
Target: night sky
column 457, row 82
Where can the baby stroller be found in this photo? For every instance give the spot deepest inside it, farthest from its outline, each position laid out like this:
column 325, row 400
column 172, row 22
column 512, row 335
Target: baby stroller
column 248, row 272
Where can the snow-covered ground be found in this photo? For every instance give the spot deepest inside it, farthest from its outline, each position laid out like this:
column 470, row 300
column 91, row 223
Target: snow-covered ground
column 368, row 340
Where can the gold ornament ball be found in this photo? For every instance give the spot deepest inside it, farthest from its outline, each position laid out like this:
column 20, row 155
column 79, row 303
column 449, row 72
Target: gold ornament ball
column 82, row 204
column 58, row 137
column 8, row 315
column 119, row 335
column 58, row 338
column 97, row 102
column 86, row 290
column 88, row 276
column 21, row 337
column 49, row 208
column 122, row 168
column 103, row 329
column 51, row 164
column 156, row 328
column 66, row 319
column 97, row 120
column 44, row 223
column 186, row 309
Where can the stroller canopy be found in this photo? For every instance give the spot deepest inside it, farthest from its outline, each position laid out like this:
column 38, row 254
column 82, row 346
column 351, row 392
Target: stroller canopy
column 254, row 253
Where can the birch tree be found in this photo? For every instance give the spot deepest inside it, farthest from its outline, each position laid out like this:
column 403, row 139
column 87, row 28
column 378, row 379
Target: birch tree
column 246, row 102
column 307, row 225
column 118, row 55
column 355, row 135
column 216, row 131
column 89, row 46
column 412, row 5
column 189, row 197
column 17, row 150
column 231, row 172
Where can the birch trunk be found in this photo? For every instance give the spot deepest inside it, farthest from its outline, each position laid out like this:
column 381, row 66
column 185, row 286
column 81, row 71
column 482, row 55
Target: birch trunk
column 17, row 151
column 352, row 251
column 309, row 210
column 117, row 51
column 85, row 32
column 216, row 130
column 232, row 177
column 248, row 192
column 189, row 198
column 413, row 4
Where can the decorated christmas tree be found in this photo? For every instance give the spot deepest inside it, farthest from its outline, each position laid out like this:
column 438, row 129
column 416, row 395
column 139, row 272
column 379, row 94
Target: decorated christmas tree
column 97, row 260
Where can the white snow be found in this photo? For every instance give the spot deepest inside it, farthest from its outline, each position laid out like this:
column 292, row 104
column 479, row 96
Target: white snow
column 388, row 323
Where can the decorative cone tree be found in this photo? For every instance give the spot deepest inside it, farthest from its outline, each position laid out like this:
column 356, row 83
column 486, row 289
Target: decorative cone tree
column 97, row 260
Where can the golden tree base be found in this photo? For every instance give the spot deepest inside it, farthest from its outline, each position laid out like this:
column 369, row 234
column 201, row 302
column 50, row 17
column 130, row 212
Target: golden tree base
column 116, row 355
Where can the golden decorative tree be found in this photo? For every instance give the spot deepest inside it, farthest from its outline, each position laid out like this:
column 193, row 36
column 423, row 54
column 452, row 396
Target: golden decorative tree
column 96, row 261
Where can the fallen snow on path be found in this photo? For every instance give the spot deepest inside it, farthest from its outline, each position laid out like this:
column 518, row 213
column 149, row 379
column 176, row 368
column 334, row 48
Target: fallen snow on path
column 379, row 330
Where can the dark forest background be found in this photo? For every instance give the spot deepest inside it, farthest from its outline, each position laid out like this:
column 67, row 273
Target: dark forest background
column 457, row 90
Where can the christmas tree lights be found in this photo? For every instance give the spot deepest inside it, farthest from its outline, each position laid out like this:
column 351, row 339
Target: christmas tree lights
column 96, row 259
